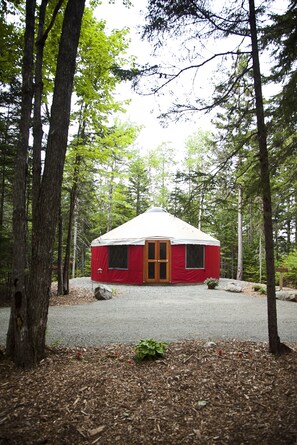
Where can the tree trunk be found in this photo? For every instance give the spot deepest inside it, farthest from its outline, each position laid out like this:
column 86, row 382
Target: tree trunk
column 3, row 179
column 37, row 123
column 74, row 243
column 260, row 259
column 47, row 210
column 81, row 138
column 239, row 275
column 295, row 220
column 73, row 198
column 18, row 345
column 200, row 212
column 60, row 253
column 110, row 199
column 274, row 341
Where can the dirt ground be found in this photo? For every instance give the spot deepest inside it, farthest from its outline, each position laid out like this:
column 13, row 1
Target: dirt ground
column 199, row 393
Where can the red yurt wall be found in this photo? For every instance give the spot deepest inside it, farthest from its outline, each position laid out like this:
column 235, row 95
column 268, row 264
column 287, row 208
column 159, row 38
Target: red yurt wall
column 179, row 274
column 133, row 275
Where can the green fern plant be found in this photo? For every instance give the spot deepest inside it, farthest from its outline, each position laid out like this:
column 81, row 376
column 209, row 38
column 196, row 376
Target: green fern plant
column 150, row 349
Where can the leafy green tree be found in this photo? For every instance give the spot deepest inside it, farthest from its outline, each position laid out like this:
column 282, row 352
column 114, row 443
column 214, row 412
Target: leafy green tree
column 94, row 85
column 115, row 148
column 161, row 163
column 138, row 185
column 282, row 37
column 10, row 93
column 8, row 124
column 198, row 161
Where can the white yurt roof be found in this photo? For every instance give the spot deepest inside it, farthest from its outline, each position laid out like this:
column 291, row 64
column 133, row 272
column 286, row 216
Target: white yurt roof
column 156, row 223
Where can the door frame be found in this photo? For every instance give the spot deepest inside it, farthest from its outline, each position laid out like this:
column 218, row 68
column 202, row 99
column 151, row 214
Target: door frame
column 157, row 260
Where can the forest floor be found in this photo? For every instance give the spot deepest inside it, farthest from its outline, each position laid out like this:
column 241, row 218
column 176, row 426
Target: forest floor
column 200, row 393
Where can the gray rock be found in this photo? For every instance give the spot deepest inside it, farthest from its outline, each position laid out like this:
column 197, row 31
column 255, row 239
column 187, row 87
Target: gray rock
column 232, row 287
column 286, row 295
column 103, row 292
column 210, row 344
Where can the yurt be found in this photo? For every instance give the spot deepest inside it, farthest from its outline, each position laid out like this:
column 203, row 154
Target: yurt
column 155, row 248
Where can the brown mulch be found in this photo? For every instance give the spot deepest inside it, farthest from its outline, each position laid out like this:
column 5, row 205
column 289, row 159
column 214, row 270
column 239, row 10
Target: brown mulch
column 77, row 295
column 224, row 393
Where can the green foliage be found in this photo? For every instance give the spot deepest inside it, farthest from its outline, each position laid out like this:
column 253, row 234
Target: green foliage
column 115, row 182
column 150, row 349
column 281, row 35
column 138, row 185
column 161, row 166
column 211, row 283
column 257, row 287
column 290, row 261
column 260, row 289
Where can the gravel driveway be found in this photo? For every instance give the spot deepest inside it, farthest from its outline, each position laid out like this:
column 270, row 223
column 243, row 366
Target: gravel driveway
column 167, row 313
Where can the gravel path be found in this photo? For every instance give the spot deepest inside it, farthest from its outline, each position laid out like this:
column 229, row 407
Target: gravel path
column 168, row 313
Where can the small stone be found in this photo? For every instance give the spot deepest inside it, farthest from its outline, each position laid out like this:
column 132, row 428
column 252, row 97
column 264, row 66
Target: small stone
column 210, row 344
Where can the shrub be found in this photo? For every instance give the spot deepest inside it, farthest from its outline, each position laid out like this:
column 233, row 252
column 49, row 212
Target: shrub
column 257, row 287
column 150, row 349
column 290, row 261
column 211, row 283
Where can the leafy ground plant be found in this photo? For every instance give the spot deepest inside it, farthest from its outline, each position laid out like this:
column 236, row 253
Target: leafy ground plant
column 260, row 289
column 150, row 349
column 211, row 283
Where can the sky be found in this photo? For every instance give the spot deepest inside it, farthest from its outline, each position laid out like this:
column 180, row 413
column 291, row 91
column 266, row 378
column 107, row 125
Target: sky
column 144, row 110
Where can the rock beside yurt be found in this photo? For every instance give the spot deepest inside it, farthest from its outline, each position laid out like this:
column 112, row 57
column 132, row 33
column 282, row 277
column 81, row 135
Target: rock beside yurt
column 286, row 295
column 233, row 287
column 103, row 292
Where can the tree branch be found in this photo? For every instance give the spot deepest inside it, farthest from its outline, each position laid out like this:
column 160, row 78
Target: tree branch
column 42, row 39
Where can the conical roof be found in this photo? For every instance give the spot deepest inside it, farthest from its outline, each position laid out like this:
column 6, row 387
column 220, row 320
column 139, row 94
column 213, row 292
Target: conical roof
column 156, row 223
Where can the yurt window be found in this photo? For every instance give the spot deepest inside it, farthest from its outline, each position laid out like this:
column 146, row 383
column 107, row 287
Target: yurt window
column 194, row 256
column 118, row 257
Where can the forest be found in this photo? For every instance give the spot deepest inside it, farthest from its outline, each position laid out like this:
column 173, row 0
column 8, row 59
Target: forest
column 69, row 189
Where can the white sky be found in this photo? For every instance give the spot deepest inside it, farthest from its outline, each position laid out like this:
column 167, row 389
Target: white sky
column 145, row 109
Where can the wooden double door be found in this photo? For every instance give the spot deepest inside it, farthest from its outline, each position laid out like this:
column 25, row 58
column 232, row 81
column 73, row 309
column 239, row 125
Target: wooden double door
column 157, row 261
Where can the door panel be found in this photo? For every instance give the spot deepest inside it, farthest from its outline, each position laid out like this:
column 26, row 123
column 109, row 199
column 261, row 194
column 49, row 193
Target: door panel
column 157, row 266
column 151, row 271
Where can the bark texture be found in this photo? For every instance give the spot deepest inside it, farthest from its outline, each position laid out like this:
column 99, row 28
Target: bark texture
column 18, row 337
column 47, row 204
column 274, row 341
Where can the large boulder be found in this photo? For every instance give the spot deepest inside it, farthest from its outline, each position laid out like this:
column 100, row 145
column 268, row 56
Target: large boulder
column 103, row 292
column 286, row 295
column 233, row 287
